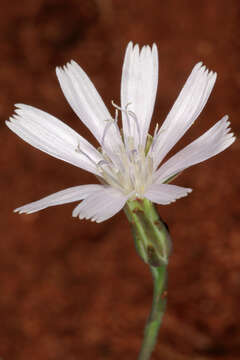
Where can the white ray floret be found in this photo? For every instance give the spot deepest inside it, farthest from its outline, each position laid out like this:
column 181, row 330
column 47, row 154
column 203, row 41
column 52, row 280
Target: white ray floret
column 86, row 102
column 212, row 142
column 139, row 77
column 165, row 193
column 185, row 110
column 74, row 193
column 52, row 136
column 129, row 164
column 101, row 204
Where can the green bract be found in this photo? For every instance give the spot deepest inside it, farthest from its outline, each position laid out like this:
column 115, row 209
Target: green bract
column 152, row 239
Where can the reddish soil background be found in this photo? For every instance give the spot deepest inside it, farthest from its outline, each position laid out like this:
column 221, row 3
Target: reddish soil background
column 73, row 289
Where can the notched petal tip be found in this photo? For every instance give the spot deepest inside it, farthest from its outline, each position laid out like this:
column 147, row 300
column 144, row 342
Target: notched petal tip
column 212, row 75
column 154, row 49
column 198, row 65
column 61, row 69
column 25, row 209
column 19, row 211
column 73, row 63
column 23, row 106
column 12, row 122
column 58, row 70
column 129, row 50
column 183, row 194
column 201, row 68
column 129, row 45
column 143, row 50
column 135, row 49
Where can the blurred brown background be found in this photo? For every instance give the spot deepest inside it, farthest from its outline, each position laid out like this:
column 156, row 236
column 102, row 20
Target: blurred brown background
column 73, row 289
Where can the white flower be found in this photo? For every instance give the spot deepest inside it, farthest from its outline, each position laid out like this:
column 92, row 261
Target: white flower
column 128, row 164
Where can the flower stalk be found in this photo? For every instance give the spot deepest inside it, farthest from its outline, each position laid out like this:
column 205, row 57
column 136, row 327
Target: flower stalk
column 158, row 308
column 153, row 244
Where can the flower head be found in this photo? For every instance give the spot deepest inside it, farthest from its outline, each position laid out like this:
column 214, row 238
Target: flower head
column 128, row 162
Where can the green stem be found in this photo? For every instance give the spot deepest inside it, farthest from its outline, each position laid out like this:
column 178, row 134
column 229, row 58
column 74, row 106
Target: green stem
column 157, row 312
column 153, row 244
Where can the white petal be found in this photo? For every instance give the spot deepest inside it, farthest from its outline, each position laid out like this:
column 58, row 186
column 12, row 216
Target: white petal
column 212, row 142
column 101, row 205
column 72, row 194
column 87, row 103
column 47, row 133
column 138, row 88
column 185, row 110
column 164, row 194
